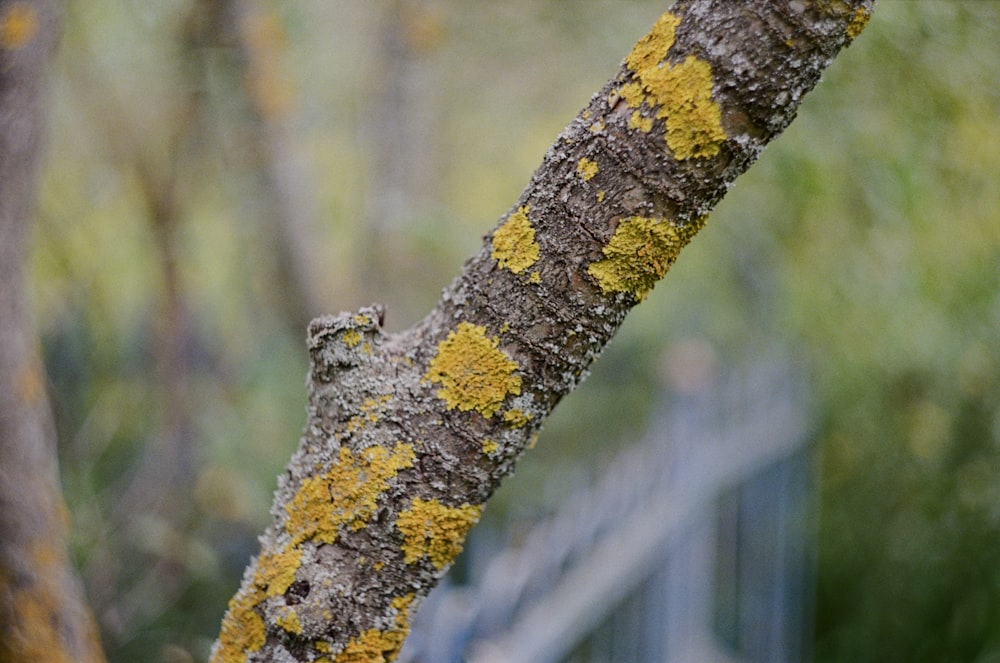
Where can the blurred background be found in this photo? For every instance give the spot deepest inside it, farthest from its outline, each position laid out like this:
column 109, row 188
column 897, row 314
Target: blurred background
column 221, row 171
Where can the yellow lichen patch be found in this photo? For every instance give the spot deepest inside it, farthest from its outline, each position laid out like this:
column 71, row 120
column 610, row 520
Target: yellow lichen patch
column 289, row 620
column 632, row 93
column 651, row 49
column 514, row 245
column 586, row 168
column 694, row 120
column 516, row 418
column 643, row 124
column 346, row 494
column 431, row 529
column 535, row 277
column 858, row 23
column 473, row 373
column 18, row 25
column 489, row 446
column 600, row 196
column 351, row 338
column 275, row 573
column 682, row 93
column 640, row 253
column 375, row 646
column 242, row 630
column 402, row 604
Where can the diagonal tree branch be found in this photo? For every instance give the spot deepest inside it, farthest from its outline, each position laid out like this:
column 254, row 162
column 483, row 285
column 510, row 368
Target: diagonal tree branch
column 408, row 435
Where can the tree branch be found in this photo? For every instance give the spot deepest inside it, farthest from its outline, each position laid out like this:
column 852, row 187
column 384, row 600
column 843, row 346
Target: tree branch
column 408, row 435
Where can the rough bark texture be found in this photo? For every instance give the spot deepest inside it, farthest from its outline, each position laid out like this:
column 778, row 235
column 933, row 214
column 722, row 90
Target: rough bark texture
column 408, row 435
column 43, row 616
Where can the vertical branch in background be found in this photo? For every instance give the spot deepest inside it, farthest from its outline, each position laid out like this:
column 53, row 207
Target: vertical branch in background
column 397, row 129
column 43, row 615
column 261, row 41
column 258, row 41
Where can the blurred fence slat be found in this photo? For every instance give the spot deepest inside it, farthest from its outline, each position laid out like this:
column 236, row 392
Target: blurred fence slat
column 693, row 546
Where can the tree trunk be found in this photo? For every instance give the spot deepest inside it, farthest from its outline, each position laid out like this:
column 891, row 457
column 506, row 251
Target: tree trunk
column 409, row 434
column 43, row 616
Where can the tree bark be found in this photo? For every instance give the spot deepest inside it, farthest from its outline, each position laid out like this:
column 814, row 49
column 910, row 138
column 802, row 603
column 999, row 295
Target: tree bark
column 408, row 435
column 43, row 616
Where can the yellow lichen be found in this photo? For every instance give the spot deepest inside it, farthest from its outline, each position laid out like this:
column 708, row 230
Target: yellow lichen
column 682, row 93
column 346, row 494
column 514, row 245
column 586, row 168
column 694, row 120
column 640, row 253
column 643, row 124
column 289, row 621
column 632, row 93
column 651, row 49
column 275, row 573
column 535, row 277
column 242, row 630
column 372, row 646
column 18, row 25
column 433, row 530
column 858, row 23
column 600, row 196
column 516, row 418
column 351, row 338
column 473, row 373
column 375, row 646
column 489, row 446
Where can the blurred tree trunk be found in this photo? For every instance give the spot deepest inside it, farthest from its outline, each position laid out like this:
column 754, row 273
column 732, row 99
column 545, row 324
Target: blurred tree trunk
column 43, row 615
column 399, row 139
column 409, row 434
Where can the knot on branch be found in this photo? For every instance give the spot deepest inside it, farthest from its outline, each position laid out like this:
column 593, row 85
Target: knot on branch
column 343, row 341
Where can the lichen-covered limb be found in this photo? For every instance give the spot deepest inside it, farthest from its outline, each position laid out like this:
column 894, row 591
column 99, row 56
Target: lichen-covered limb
column 43, row 616
column 409, row 435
